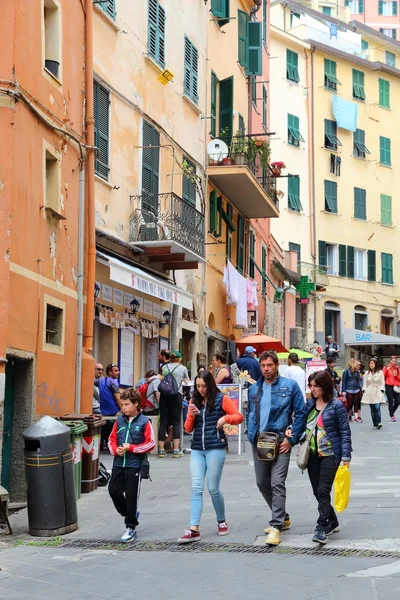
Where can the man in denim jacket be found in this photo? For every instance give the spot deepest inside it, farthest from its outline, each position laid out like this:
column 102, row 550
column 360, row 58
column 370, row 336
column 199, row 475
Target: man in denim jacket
column 281, row 404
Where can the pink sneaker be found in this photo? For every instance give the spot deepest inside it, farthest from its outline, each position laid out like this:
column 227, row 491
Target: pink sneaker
column 189, row 536
column 223, row 528
column 393, row 419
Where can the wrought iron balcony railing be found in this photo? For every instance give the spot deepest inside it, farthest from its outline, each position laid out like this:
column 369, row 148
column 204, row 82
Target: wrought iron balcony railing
column 317, row 274
column 167, row 217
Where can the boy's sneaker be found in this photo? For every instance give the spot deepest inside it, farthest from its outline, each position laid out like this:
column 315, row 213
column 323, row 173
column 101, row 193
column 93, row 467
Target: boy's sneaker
column 379, row 426
column 129, row 535
column 319, row 536
column 177, row 454
column 223, row 528
column 286, row 525
column 189, row 536
column 162, row 454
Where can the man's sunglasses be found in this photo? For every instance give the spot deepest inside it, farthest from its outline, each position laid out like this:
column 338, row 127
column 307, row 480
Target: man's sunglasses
column 97, row 369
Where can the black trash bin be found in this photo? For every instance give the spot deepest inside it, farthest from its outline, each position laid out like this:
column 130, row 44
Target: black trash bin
column 49, row 471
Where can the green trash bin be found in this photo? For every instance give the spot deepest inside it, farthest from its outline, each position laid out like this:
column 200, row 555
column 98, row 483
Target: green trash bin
column 77, row 429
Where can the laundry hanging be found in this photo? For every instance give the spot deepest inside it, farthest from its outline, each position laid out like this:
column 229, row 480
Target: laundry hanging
column 345, row 113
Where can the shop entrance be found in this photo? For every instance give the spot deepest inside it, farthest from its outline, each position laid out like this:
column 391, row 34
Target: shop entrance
column 103, row 343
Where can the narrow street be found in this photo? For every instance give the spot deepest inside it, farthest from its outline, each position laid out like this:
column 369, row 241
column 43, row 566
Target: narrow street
column 365, row 562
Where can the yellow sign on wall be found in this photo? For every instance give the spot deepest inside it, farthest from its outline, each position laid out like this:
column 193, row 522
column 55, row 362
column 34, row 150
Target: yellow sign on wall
column 165, row 77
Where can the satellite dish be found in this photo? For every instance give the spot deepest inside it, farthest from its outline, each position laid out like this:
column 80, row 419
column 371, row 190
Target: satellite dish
column 217, row 150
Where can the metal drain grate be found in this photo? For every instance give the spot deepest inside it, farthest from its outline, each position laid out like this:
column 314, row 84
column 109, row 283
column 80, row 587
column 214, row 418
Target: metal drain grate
column 232, row 548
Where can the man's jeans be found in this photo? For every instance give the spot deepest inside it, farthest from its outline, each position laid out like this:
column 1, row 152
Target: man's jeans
column 212, row 463
column 270, row 479
column 375, row 414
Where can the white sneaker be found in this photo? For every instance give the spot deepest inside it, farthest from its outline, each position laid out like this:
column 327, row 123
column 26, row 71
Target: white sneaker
column 129, row 535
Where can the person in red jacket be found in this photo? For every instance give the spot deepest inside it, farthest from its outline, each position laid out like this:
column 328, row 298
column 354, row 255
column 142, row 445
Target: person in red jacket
column 131, row 438
column 392, row 382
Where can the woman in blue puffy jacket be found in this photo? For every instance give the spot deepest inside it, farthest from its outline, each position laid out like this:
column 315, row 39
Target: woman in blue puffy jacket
column 330, row 447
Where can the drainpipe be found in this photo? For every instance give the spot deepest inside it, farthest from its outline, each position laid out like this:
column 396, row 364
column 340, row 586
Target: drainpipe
column 80, row 274
column 314, row 226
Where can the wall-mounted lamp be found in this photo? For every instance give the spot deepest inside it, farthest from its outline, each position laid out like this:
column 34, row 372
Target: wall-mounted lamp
column 167, row 319
column 96, row 291
column 135, row 304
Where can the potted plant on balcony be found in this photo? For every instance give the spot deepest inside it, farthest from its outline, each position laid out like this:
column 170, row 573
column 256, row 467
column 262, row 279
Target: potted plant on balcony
column 258, row 147
column 277, row 167
column 238, row 149
column 264, row 152
column 224, row 135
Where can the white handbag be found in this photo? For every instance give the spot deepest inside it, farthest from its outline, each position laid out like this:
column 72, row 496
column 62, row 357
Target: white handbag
column 396, row 389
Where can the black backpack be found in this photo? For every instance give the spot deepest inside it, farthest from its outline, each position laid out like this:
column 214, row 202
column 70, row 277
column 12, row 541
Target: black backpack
column 103, row 477
column 169, row 385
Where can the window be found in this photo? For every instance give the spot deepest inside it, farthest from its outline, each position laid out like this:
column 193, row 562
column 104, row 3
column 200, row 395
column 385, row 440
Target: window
column 293, row 18
column 327, row 10
column 53, row 325
column 226, row 107
column 265, row 108
column 242, row 126
column 156, row 35
column 390, row 58
column 384, row 93
column 189, row 186
column 252, row 254
column 108, row 6
column 331, row 140
column 265, row 9
column 371, row 258
column 387, row 9
column 330, row 196
column 52, row 191
column 214, row 81
column 254, row 91
column 392, row 33
column 384, row 151
column 263, row 269
column 292, row 66
column 356, row 7
column 150, row 174
column 358, row 85
column 359, row 147
column 387, row 268
column 296, row 248
column 386, row 210
column 294, row 193
column 220, row 10
column 294, row 135
column 240, row 245
column 360, row 204
column 52, row 37
column 332, row 259
column 330, row 80
column 360, row 264
column 249, row 44
column 364, row 45
column 229, row 213
column 360, row 318
column 101, row 97
column 191, row 71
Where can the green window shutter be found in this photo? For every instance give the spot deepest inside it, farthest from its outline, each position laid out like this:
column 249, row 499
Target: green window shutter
column 380, row 7
column 150, row 168
column 188, row 186
column 108, row 6
column 350, row 262
column 101, row 100
column 364, row 45
column 342, row 260
column 385, row 153
column 292, row 66
column 294, row 202
column 240, row 244
column 330, row 196
column 243, row 39
column 265, row 22
column 254, row 91
column 360, row 204
column 384, row 93
column 358, row 85
column 255, row 48
column 252, row 252
column 213, row 212
column 226, row 105
column 360, row 7
column 218, row 8
column 327, row 10
column 242, row 126
column 264, row 269
column 213, row 129
column 156, row 34
column 394, row 7
column 386, row 210
column 323, row 259
column 331, row 140
column 229, row 212
column 387, row 268
column 191, row 71
column 359, row 147
column 330, row 80
column 265, row 108
column 371, row 265
column 390, row 59
column 294, row 135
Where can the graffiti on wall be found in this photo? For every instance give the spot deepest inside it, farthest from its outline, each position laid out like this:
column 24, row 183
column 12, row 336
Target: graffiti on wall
column 49, row 402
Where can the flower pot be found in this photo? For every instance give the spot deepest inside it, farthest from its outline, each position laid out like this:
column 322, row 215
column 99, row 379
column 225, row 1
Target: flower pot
column 227, row 160
column 276, row 172
column 259, row 143
column 52, row 66
column 241, row 159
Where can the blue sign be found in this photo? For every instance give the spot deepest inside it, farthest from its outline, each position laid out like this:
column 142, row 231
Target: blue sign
column 363, row 337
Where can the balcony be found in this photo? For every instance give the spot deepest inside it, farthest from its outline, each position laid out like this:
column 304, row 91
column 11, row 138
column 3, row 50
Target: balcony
column 315, row 273
column 169, row 229
column 248, row 186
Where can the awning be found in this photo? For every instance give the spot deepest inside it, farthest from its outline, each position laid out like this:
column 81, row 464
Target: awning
column 356, row 337
column 137, row 279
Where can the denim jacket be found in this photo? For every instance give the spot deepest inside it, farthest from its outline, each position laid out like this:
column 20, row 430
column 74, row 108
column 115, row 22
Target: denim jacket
column 287, row 408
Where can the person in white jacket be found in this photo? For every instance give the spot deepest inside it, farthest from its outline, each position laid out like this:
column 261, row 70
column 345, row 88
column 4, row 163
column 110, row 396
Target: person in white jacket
column 373, row 391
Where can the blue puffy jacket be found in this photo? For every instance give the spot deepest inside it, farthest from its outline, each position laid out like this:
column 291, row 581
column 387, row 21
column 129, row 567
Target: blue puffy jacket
column 351, row 382
column 286, row 399
column 336, row 425
column 206, row 436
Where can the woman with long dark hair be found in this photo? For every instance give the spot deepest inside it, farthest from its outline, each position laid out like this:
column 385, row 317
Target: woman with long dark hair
column 374, row 389
column 330, row 447
column 209, row 410
column 220, row 363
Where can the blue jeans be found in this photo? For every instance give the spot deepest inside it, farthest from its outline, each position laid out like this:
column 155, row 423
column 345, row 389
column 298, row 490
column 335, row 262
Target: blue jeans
column 212, row 463
column 375, row 414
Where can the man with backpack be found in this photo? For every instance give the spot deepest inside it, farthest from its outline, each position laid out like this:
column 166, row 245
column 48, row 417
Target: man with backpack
column 170, row 388
column 149, row 394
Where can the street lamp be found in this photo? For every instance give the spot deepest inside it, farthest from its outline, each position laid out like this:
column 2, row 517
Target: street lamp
column 167, row 319
column 135, row 304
